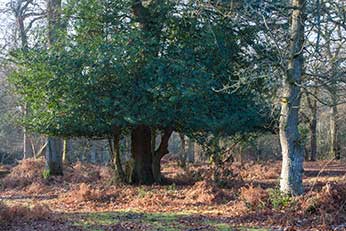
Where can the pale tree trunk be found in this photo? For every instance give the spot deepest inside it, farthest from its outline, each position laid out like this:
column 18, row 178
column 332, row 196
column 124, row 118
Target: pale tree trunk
column 66, row 150
column 160, row 152
column 313, row 127
column 291, row 144
column 191, row 151
column 27, row 148
column 197, row 152
column 93, row 152
column 183, row 149
column 334, row 146
column 24, row 44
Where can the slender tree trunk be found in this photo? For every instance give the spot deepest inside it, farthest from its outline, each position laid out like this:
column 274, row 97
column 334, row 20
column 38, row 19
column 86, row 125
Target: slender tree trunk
column 54, row 156
column 334, row 147
column 197, row 152
column 313, row 132
column 191, row 151
column 24, row 44
column 182, row 154
column 27, row 149
column 93, row 152
column 66, row 150
column 291, row 144
column 142, row 155
column 312, row 103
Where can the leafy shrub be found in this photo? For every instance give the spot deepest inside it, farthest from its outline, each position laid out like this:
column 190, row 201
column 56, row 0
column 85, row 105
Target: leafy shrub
column 279, row 200
column 45, row 174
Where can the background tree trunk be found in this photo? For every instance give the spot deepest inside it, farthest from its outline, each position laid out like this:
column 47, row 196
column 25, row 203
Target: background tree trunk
column 334, row 147
column 292, row 150
column 66, row 150
column 182, row 154
column 27, row 148
column 191, row 151
column 313, row 127
column 93, row 157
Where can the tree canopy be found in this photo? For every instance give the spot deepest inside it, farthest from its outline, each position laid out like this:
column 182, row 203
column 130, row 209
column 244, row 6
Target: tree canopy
column 107, row 71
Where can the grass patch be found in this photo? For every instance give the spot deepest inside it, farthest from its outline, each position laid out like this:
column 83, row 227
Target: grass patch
column 150, row 222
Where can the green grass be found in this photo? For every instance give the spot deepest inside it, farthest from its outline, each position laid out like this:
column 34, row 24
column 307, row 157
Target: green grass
column 152, row 221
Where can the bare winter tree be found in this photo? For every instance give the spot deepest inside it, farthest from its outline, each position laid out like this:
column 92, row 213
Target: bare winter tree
column 327, row 66
column 24, row 15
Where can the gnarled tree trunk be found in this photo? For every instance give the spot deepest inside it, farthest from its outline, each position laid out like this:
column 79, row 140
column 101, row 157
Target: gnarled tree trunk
column 159, row 153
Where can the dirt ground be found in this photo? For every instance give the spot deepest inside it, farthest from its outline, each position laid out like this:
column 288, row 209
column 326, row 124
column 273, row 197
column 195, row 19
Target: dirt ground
column 246, row 197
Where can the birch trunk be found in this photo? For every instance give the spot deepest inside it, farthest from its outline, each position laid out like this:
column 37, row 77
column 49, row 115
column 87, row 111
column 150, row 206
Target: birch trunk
column 290, row 140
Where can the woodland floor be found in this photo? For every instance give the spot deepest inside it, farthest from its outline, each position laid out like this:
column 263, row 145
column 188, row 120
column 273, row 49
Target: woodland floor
column 246, row 198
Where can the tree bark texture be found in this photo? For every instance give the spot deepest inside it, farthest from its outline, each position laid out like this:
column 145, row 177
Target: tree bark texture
column 141, row 153
column 160, row 152
column 334, row 146
column 54, row 144
column 290, row 139
column 54, row 151
column 312, row 103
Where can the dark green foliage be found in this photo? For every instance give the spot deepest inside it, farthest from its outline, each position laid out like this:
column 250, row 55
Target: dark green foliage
column 109, row 72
